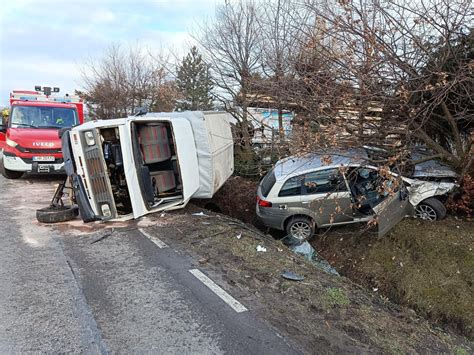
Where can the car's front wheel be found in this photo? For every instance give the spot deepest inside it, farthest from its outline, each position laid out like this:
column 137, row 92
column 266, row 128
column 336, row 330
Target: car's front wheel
column 430, row 209
column 301, row 228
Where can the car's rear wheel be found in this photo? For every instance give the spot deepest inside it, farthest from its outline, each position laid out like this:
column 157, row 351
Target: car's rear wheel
column 430, row 209
column 301, row 228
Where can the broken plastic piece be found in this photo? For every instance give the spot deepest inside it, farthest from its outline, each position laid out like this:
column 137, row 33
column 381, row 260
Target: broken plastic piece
column 200, row 214
column 262, row 249
column 305, row 249
column 239, row 235
column 290, row 275
column 105, row 234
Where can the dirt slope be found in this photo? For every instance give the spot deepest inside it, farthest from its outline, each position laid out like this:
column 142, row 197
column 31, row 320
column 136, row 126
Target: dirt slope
column 323, row 313
column 425, row 265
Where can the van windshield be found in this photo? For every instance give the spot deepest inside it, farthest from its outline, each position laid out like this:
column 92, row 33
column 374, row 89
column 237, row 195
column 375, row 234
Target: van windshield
column 43, row 117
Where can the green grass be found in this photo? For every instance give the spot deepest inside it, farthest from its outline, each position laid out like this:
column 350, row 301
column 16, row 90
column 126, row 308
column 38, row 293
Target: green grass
column 460, row 351
column 426, row 266
column 334, row 296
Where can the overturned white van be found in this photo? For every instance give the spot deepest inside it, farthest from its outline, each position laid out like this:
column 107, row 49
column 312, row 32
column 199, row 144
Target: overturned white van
column 129, row 167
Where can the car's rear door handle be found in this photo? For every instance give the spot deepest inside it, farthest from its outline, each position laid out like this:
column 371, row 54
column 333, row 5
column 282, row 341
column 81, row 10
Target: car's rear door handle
column 282, row 207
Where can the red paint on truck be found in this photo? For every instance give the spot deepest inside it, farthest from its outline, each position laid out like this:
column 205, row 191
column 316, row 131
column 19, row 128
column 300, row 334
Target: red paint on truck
column 30, row 139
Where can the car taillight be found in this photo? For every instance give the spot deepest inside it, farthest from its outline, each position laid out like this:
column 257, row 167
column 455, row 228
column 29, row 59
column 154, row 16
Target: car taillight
column 263, row 203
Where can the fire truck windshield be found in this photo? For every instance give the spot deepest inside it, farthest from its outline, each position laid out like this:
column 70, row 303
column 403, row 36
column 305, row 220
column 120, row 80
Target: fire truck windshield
column 43, row 117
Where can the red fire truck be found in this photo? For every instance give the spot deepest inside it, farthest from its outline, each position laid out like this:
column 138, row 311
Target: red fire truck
column 29, row 138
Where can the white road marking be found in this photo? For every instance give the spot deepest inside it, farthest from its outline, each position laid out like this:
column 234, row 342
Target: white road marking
column 158, row 242
column 231, row 301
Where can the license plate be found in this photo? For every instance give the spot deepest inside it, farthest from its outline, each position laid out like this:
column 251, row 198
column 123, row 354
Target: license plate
column 44, row 158
column 43, row 168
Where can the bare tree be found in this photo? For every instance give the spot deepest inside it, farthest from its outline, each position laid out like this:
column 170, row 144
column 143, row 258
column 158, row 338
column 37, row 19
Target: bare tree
column 124, row 80
column 410, row 60
column 230, row 45
column 280, row 25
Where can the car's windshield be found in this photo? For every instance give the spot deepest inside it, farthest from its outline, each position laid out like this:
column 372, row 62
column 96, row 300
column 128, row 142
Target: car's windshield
column 43, row 117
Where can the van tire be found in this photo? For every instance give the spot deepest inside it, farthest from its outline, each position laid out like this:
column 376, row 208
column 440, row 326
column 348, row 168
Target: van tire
column 57, row 214
column 426, row 208
column 305, row 226
column 9, row 174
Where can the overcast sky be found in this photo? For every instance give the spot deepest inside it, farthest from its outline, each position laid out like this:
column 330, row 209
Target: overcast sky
column 47, row 42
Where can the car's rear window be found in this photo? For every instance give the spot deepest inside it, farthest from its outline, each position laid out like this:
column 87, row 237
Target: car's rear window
column 267, row 183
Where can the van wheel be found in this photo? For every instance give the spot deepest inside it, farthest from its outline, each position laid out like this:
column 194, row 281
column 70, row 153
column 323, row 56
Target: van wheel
column 9, row 174
column 57, row 214
column 301, row 228
column 430, row 209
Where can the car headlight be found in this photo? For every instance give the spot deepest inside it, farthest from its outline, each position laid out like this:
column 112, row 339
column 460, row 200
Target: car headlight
column 89, row 136
column 11, row 143
column 106, row 212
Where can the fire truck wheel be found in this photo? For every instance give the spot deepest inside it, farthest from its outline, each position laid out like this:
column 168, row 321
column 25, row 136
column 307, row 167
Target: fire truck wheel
column 57, row 214
column 9, row 174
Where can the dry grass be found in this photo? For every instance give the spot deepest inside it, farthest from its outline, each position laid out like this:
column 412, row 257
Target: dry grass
column 427, row 266
column 322, row 312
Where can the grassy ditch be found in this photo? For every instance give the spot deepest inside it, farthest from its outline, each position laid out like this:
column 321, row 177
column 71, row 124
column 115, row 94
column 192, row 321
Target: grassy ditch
column 322, row 314
column 426, row 266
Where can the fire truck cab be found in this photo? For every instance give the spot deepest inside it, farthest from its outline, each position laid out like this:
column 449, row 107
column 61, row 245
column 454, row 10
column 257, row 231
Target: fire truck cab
column 29, row 137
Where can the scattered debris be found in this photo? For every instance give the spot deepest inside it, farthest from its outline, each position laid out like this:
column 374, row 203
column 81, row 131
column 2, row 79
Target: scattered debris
column 200, row 214
column 290, row 275
column 203, row 260
column 238, row 236
column 305, row 249
column 261, row 249
column 105, row 235
column 206, row 223
column 163, row 215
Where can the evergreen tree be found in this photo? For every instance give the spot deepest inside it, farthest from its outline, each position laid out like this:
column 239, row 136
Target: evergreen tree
column 194, row 83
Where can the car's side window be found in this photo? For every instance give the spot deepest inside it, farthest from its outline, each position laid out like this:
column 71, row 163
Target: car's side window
column 323, row 181
column 292, row 186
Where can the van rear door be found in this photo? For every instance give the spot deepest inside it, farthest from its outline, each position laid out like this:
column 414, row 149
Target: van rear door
column 186, row 158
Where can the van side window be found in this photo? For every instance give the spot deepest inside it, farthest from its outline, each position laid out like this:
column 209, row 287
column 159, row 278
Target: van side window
column 292, row 186
column 329, row 180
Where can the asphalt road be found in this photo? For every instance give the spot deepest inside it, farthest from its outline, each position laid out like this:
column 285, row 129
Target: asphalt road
column 61, row 292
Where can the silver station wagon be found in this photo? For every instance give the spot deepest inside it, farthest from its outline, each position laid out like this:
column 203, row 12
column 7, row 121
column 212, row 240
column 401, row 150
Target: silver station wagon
column 303, row 193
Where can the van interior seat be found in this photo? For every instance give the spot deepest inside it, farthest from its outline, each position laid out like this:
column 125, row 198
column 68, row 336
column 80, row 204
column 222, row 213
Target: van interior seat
column 163, row 181
column 154, row 143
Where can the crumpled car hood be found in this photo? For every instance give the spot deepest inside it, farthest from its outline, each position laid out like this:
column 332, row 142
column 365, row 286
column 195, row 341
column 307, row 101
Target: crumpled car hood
column 421, row 190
